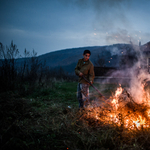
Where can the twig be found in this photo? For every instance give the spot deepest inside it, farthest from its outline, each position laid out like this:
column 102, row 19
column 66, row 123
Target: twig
column 94, row 87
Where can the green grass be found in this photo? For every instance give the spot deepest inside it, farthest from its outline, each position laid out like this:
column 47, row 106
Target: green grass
column 105, row 89
column 62, row 94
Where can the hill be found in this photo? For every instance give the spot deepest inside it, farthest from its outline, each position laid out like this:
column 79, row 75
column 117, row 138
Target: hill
column 68, row 58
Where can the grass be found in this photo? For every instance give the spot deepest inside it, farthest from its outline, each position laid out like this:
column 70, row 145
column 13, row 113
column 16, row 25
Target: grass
column 43, row 120
column 63, row 92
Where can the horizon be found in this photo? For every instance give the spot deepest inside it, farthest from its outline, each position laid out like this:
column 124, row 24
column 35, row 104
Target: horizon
column 63, row 24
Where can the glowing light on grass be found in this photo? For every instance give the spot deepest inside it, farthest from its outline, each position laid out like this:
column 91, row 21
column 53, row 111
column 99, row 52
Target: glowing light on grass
column 121, row 114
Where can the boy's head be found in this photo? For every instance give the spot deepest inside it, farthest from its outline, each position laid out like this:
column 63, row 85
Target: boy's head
column 86, row 52
column 86, row 55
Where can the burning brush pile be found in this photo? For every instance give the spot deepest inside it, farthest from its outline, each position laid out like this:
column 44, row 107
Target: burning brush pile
column 120, row 110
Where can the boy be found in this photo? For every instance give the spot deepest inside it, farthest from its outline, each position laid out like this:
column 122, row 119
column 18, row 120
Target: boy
column 84, row 68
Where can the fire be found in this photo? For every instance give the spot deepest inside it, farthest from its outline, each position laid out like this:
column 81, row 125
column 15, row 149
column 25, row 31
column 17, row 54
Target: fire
column 148, row 113
column 115, row 99
column 121, row 113
column 139, row 121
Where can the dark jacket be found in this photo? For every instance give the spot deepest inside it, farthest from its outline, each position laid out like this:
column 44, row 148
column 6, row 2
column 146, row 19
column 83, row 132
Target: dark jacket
column 87, row 69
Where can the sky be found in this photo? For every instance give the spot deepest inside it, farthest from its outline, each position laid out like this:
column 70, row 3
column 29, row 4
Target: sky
column 51, row 25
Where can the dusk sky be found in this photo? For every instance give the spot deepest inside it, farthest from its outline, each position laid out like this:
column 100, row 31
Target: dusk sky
column 50, row 25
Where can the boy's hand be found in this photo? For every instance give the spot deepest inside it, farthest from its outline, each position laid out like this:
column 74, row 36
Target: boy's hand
column 90, row 83
column 80, row 74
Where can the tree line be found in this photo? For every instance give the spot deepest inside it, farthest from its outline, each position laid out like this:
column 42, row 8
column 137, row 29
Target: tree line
column 25, row 73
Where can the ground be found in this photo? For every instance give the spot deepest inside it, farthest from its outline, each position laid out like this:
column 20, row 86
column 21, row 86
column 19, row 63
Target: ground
column 49, row 118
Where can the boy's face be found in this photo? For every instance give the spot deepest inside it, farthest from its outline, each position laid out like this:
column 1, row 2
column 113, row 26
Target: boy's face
column 86, row 57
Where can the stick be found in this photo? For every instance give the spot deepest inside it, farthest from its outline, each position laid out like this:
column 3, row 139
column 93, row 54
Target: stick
column 94, row 87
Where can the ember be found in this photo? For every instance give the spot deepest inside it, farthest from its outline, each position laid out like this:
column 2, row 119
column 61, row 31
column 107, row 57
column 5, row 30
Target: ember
column 122, row 111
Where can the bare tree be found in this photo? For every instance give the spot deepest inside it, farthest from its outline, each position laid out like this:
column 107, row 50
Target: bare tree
column 100, row 61
column 8, row 70
column 128, row 59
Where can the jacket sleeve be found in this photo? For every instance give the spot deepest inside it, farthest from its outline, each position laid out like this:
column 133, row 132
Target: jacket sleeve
column 91, row 73
column 77, row 68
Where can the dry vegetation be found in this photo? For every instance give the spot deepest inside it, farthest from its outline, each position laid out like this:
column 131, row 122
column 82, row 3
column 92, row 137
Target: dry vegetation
column 50, row 119
column 38, row 112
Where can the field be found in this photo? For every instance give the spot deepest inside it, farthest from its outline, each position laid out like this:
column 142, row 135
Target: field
column 49, row 118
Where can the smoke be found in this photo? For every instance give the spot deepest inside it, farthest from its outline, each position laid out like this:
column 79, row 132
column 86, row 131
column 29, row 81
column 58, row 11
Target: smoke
column 106, row 12
column 108, row 17
column 120, row 36
column 114, row 51
column 136, row 86
column 109, row 14
column 111, row 21
column 136, row 76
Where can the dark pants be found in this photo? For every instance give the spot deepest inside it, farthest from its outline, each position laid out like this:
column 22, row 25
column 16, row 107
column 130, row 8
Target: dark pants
column 83, row 94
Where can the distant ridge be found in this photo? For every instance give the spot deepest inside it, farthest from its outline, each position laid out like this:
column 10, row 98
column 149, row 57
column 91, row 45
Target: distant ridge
column 68, row 58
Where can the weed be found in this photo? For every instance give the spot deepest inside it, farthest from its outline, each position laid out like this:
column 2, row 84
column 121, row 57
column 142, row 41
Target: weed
column 43, row 120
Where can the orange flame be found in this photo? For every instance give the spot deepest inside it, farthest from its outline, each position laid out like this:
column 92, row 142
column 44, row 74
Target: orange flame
column 120, row 115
